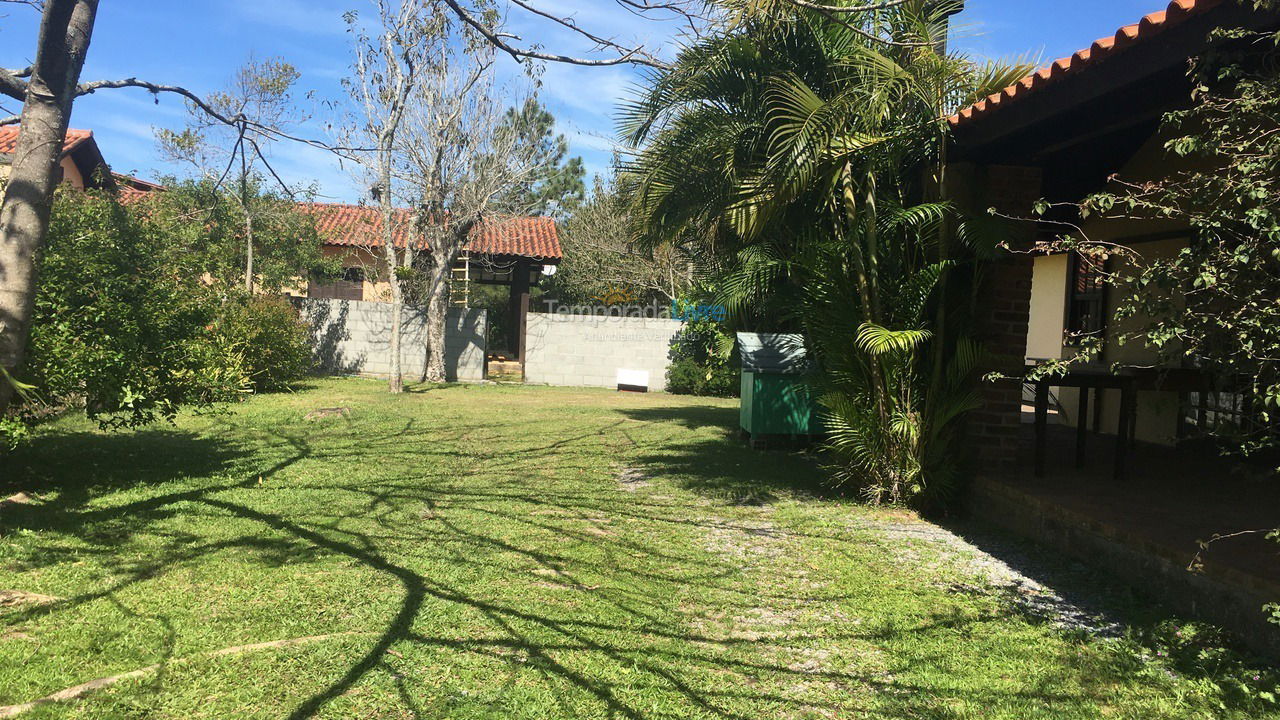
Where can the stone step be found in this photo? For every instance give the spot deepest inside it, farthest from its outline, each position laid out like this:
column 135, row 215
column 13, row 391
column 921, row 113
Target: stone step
column 506, row 370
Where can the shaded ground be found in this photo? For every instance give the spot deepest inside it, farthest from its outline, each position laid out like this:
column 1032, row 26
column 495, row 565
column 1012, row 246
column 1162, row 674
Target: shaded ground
column 510, row 552
column 1170, row 499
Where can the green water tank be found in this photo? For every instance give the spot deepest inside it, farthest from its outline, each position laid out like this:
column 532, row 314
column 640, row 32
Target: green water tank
column 776, row 398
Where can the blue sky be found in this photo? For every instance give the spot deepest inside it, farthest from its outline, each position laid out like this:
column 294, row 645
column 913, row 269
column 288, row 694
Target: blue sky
column 198, row 44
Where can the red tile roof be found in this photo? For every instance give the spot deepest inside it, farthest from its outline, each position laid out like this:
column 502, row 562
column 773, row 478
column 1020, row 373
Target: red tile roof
column 9, row 139
column 532, row 237
column 361, row 226
column 1102, row 49
column 130, row 189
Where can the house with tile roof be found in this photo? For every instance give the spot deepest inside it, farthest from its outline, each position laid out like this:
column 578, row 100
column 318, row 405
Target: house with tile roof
column 82, row 164
column 513, row 251
column 1104, row 460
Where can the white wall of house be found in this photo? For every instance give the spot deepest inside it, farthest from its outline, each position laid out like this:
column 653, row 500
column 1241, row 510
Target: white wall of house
column 1048, row 307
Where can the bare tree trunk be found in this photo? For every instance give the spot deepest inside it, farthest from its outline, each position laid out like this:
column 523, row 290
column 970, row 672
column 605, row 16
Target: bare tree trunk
column 437, row 316
column 443, row 254
column 395, row 382
column 248, row 223
column 248, row 250
column 65, row 31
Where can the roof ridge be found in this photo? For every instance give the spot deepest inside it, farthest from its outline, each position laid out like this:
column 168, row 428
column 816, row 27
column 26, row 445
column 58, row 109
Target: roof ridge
column 1102, row 48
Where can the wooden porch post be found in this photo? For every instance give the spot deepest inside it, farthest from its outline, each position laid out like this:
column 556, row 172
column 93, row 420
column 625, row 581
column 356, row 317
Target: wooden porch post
column 518, row 307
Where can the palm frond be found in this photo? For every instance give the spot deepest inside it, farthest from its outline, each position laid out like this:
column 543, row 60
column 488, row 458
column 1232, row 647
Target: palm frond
column 877, row 340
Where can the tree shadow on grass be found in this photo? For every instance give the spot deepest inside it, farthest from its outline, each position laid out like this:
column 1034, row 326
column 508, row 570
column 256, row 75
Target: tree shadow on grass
column 724, row 467
column 79, row 465
column 500, row 513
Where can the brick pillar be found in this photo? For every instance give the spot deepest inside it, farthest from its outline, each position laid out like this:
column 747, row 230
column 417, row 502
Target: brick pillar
column 1001, row 322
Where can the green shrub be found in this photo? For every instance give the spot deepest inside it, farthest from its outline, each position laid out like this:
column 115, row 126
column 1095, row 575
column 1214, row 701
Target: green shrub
column 266, row 340
column 116, row 329
column 703, row 361
column 13, row 432
column 684, row 377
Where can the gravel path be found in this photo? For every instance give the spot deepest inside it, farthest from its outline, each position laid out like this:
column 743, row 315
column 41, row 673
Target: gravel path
column 1030, row 578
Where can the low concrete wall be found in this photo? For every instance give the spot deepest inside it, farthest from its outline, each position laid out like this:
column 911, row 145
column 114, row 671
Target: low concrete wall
column 1230, row 599
column 352, row 338
column 588, row 351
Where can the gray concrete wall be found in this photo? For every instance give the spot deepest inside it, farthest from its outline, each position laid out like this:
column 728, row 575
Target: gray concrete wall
column 588, row 351
column 352, row 338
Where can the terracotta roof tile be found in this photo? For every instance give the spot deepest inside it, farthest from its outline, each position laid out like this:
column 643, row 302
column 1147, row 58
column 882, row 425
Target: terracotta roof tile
column 1102, row 49
column 361, row 226
column 127, row 195
column 9, row 139
column 130, row 189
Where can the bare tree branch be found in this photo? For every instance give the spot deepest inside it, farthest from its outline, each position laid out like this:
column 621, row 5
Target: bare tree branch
column 500, row 40
column 696, row 15
column 638, row 53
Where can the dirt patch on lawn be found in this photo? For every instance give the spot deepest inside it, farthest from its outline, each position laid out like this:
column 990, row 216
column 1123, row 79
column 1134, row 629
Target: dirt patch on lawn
column 632, row 479
column 20, row 598
column 17, row 499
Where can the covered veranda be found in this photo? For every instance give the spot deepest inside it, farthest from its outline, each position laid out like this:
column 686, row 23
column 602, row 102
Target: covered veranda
column 1116, row 473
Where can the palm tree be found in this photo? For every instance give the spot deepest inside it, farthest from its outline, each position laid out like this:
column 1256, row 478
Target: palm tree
column 809, row 154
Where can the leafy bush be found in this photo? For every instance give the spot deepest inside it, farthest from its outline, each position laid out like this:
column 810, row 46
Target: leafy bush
column 266, row 340
column 13, row 432
column 115, row 328
column 703, row 361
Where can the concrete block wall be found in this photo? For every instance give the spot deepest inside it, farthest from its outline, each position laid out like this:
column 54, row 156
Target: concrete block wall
column 588, row 351
column 352, row 337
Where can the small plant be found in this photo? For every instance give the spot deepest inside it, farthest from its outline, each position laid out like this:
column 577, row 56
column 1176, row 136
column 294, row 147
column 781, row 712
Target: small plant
column 703, row 361
column 1203, row 651
column 13, row 432
column 266, row 339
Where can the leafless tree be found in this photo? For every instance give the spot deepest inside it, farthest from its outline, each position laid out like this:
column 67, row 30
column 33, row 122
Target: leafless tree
column 459, row 155
column 389, row 51
column 603, row 46
column 432, row 109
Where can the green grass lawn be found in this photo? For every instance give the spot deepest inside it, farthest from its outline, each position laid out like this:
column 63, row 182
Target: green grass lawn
column 506, row 552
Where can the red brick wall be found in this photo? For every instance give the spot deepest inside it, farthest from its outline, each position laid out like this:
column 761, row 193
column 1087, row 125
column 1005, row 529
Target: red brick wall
column 1005, row 303
column 1001, row 326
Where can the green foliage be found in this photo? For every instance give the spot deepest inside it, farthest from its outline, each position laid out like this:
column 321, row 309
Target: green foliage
column 557, row 187
column 115, row 327
column 13, row 433
column 135, row 318
column 269, row 337
column 703, row 361
column 804, row 157
column 206, row 226
column 1218, row 300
